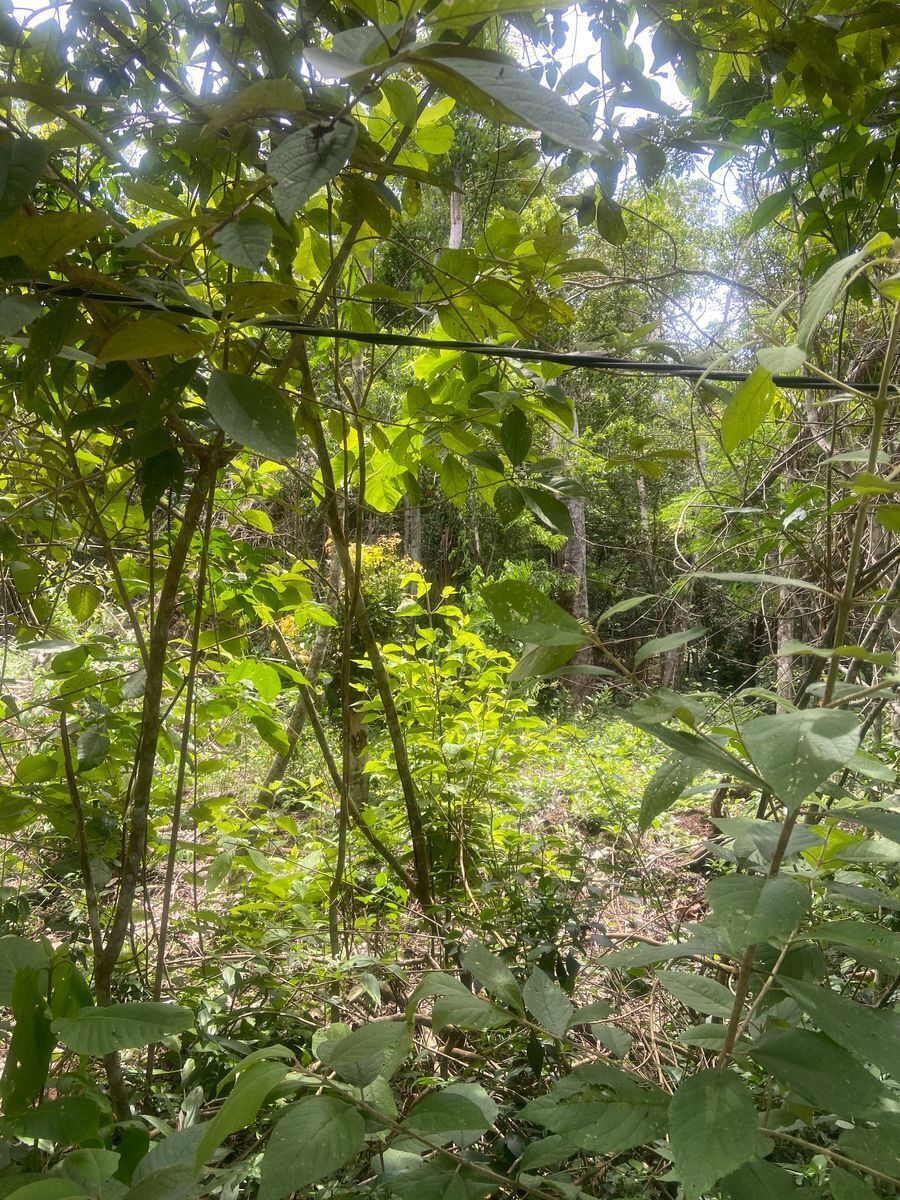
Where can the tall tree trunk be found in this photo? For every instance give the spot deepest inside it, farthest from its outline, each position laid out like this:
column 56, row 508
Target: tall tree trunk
column 297, row 719
column 454, row 240
column 412, row 513
column 784, row 632
column 573, row 560
column 673, row 662
column 645, row 512
column 412, row 531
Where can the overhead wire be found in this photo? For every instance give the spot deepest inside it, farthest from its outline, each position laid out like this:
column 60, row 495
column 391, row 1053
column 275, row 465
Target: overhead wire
column 575, row 359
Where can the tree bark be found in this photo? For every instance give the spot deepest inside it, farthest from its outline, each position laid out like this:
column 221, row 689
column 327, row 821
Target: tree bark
column 573, row 561
column 412, row 531
column 454, row 240
column 297, row 719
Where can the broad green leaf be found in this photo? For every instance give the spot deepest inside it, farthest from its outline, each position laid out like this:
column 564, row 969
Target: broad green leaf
column 757, row 578
column 747, row 909
column 597, row 1010
column 261, row 98
column 528, row 615
column 824, row 293
column 601, row 1109
column 515, row 436
column 671, row 641
column 888, row 517
column 665, row 786
column 160, row 473
column 880, row 820
column 552, row 512
column 610, row 222
column 36, row 768
column 403, row 101
column 16, row 313
column 82, row 600
column 583, row 671
column 22, row 162
column 889, row 287
column 252, row 412
column 710, row 1037
column 90, row 1166
column 503, row 92
column 698, row 992
column 455, row 1004
column 827, row 1076
column 175, row 1182
column 67, row 1120
column 754, row 836
column 509, row 503
column 50, row 1189
column 28, row 1053
column 607, row 1126
column 314, row 1138
column 664, row 704
column 863, row 940
column 650, row 162
column 703, row 750
column 867, row 483
column 542, row 660
column 46, row 339
column 159, row 199
column 305, row 161
column 769, row 209
column 99, row 1031
column 872, row 850
column 617, row 1041
column 434, row 1179
column 467, row 12
column 781, row 360
column 761, row 1179
column 646, row 956
column 42, row 240
column 549, row 1151
column 151, row 337
column 747, row 409
column 492, row 973
column 16, row 953
column 244, row 243
column 239, row 1110
column 878, row 1147
column 91, row 749
column 466, row 1011
column 712, row 1129
column 460, row 1113
column 795, row 752
column 845, row 1186
column 368, row 1052
column 858, row 652
column 625, row 606
column 176, row 1149
column 547, row 1002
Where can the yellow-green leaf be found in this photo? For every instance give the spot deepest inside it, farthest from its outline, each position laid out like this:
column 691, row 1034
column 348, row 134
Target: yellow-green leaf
column 747, row 409
column 151, row 337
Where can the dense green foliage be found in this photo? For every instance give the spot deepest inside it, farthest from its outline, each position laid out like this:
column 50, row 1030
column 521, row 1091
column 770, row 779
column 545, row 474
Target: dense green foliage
column 370, row 667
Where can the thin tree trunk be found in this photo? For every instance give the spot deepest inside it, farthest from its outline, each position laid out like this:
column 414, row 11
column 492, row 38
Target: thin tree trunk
column 647, row 528
column 454, row 240
column 415, row 823
column 574, row 562
column 297, row 719
column 412, row 531
column 784, row 632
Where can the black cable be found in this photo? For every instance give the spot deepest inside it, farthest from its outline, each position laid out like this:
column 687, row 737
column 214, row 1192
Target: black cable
column 575, row 359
